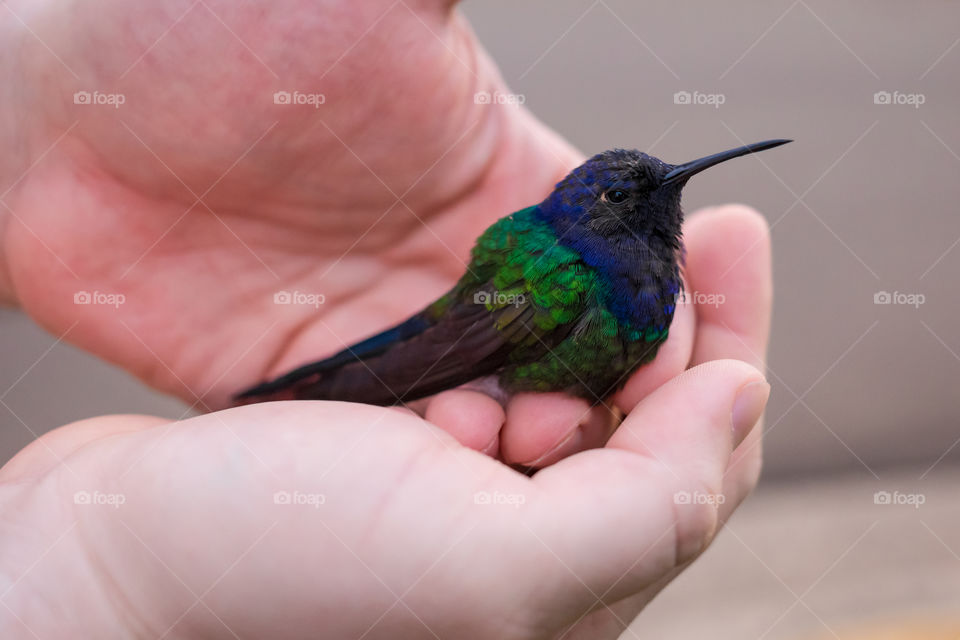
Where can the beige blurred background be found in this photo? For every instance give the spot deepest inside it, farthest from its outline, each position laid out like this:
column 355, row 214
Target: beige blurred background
column 864, row 394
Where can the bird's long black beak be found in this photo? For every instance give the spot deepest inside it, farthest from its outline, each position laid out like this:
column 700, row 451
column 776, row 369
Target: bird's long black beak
column 682, row 172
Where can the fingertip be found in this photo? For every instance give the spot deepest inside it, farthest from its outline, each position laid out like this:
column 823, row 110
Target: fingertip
column 729, row 245
column 473, row 418
column 748, row 221
column 728, row 369
column 745, row 235
column 692, row 416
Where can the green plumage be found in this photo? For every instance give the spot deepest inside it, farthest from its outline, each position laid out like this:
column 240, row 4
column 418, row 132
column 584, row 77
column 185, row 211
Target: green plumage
column 568, row 340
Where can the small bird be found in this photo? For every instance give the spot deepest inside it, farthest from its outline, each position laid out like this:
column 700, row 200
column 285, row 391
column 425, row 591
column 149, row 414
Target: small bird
column 572, row 294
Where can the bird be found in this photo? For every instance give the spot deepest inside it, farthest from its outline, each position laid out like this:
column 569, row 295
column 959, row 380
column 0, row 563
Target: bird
column 572, row 294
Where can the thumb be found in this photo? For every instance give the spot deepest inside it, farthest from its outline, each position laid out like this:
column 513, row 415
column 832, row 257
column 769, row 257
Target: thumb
column 648, row 502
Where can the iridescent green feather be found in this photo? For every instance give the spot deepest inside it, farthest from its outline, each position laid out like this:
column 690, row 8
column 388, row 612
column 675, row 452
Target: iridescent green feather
column 570, row 339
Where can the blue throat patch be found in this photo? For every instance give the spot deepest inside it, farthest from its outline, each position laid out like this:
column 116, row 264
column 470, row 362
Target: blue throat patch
column 639, row 275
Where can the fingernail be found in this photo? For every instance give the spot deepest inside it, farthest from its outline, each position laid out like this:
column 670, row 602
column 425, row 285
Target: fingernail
column 748, row 407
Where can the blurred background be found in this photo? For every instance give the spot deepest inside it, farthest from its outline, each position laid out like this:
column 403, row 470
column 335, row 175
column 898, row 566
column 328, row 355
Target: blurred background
column 855, row 529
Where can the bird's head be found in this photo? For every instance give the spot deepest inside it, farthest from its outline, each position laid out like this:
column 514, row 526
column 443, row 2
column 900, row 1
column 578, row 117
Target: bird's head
column 621, row 191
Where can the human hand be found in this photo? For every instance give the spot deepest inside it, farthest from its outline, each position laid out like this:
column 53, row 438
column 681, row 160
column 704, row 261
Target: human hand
column 338, row 520
column 199, row 197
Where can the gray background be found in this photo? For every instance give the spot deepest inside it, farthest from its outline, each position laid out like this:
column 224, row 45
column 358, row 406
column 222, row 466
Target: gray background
column 864, row 201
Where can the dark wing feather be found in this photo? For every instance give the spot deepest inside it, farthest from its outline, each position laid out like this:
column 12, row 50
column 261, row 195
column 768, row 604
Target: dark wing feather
column 368, row 348
column 521, row 295
column 464, row 344
column 467, row 341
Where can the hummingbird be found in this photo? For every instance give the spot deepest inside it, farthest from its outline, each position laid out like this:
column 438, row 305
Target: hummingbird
column 572, row 294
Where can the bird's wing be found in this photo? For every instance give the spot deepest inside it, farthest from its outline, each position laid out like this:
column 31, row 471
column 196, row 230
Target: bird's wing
column 520, row 296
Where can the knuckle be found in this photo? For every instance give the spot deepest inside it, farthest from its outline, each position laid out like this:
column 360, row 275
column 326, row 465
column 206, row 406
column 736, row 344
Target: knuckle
column 696, row 519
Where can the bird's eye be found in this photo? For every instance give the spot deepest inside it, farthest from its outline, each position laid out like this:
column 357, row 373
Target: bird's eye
column 615, row 196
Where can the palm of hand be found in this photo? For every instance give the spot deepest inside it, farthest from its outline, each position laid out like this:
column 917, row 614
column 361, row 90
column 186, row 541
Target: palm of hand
column 198, row 212
column 290, row 536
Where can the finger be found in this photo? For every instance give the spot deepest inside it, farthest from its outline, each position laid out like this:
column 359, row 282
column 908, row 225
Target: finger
column 729, row 263
column 473, row 418
column 624, row 501
column 542, row 428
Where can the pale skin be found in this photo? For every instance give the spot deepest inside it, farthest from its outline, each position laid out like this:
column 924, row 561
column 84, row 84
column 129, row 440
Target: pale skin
column 297, row 198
